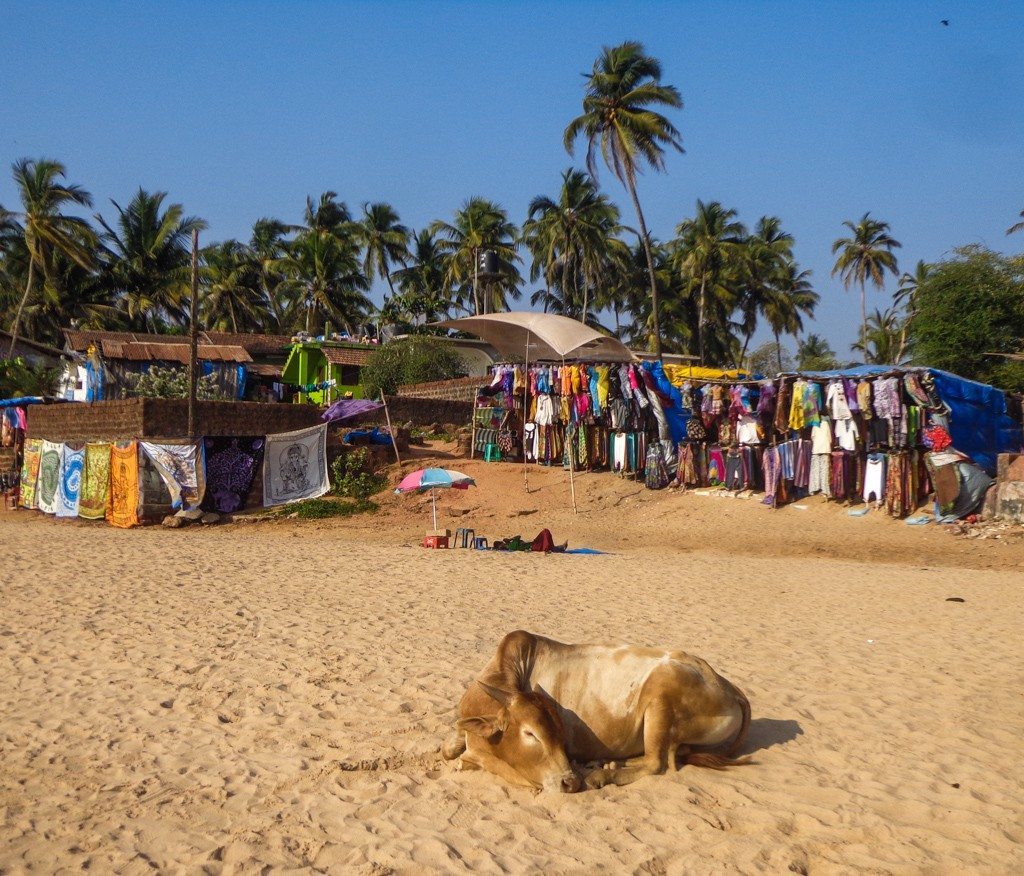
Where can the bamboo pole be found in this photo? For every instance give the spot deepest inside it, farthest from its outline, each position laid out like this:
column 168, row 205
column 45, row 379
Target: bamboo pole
column 526, row 390
column 572, row 466
column 391, row 431
column 193, row 356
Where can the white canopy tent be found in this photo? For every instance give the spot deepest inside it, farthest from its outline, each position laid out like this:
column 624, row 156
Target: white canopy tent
column 544, row 336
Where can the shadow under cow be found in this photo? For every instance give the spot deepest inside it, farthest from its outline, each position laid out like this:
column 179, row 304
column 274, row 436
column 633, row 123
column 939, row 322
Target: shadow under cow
column 768, row 732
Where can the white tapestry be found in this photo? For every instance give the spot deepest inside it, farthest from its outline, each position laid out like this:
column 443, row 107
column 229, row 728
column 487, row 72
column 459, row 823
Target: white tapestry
column 295, row 466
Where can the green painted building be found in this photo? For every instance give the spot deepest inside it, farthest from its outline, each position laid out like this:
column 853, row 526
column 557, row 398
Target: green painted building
column 316, row 362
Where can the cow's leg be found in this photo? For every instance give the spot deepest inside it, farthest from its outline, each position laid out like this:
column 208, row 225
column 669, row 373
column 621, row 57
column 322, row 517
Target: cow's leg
column 657, row 746
column 484, row 760
column 453, row 746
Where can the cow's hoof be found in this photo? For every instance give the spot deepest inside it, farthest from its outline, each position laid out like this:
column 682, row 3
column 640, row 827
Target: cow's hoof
column 596, row 779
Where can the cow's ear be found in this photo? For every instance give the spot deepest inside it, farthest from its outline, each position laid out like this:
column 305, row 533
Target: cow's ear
column 484, row 727
column 496, row 688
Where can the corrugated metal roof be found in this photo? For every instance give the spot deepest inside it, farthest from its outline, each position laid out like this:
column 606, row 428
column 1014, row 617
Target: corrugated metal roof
column 263, row 370
column 136, row 351
column 254, row 344
column 347, row 355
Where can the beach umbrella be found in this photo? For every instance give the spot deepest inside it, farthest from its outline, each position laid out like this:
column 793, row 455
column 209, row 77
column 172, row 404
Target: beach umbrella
column 434, row 479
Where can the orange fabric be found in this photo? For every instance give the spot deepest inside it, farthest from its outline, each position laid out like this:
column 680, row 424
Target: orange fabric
column 123, row 510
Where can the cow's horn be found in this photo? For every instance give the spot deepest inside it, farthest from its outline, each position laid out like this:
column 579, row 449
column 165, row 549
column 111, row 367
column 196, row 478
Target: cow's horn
column 502, row 696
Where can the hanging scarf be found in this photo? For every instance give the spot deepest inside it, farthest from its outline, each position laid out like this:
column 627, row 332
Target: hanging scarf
column 95, row 482
column 123, row 510
column 180, row 467
column 231, row 466
column 70, row 481
column 50, row 464
column 295, row 465
column 30, row 472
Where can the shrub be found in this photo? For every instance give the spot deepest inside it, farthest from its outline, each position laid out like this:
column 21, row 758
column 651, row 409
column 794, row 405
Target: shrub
column 161, row 382
column 356, row 477
column 410, row 360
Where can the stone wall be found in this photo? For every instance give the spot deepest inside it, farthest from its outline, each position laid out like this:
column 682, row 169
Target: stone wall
column 156, row 418
column 1010, row 487
column 461, row 389
column 424, row 411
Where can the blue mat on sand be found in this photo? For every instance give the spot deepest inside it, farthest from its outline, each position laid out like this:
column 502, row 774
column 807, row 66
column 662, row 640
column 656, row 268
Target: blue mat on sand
column 586, row 551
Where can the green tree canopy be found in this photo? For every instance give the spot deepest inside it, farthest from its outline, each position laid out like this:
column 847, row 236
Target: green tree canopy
column 968, row 306
column 410, row 360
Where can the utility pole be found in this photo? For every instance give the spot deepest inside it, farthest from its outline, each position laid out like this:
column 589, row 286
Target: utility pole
column 193, row 357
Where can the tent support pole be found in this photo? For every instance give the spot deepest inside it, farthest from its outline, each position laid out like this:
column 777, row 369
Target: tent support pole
column 522, row 435
column 433, row 507
column 568, row 450
column 394, row 442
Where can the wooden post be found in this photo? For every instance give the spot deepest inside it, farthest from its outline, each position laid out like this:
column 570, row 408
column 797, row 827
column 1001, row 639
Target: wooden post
column 193, row 357
column 391, row 431
column 526, row 389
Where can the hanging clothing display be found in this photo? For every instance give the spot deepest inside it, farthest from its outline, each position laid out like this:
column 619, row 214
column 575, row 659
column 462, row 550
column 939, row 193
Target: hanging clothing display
column 70, row 481
column 295, row 466
column 123, row 509
column 231, row 467
column 31, row 455
column 95, row 493
column 182, row 470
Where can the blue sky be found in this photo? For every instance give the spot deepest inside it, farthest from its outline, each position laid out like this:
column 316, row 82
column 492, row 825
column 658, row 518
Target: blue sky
column 812, row 111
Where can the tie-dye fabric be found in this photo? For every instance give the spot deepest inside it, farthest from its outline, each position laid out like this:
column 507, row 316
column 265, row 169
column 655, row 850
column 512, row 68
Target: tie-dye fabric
column 95, row 492
column 30, row 472
column 50, row 464
column 70, row 481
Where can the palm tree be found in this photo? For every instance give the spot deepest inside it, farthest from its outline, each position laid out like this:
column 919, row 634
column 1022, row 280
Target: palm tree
column 574, row 240
column 145, row 259
column 620, row 117
column 424, row 291
column 881, row 343
column 788, row 299
column 46, row 229
column 906, row 296
column 479, row 225
column 385, row 240
column 765, row 254
column 709, row 249
column 232, row 294
column 1019, row 226
column 866, row 255
column 814, row 354
column 268, row 249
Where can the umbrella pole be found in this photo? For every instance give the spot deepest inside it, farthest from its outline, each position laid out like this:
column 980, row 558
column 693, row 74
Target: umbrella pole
column 433, row 507
column 526, row 390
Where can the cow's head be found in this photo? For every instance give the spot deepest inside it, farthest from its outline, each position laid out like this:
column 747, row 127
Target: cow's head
column 527, row 734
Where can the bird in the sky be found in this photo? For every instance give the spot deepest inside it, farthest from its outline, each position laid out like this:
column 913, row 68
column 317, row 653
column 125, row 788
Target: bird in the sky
column 945, row 22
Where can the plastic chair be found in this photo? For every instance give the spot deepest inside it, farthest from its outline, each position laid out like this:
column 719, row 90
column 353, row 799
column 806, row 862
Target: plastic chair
column 480, row 544
column 492, row 453
column 464, row 538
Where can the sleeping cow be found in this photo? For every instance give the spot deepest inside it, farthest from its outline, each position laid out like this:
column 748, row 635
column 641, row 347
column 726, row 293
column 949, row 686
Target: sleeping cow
column 541, row 704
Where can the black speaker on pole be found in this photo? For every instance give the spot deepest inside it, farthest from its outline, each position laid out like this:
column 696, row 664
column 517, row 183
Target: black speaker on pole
column 487, row 263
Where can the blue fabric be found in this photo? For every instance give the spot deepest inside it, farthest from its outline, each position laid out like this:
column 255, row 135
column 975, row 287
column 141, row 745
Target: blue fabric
column 979, row 424
column 242, row 375
column 374, row 437
column 590, row 552
column 21, row 401
column 674, row 413
column 853, row 371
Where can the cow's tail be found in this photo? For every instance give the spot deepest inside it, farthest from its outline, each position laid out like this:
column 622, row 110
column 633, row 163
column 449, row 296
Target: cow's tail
column 453, row 746
column 726, row 760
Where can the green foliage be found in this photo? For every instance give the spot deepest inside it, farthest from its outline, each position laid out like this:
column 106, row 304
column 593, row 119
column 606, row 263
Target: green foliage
column 967, row 306
column 319, row 509
column 410, row 360
column 815, row 354
column 18, row 378
column 355, row 475
column 171, row 382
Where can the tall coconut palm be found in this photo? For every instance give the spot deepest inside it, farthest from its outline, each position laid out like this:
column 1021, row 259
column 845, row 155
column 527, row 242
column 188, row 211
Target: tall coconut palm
column 788, row 299
column 765, row 254
column 145, row 259
column 423, row 288
column 573, row 240
column 815, row 354
column 880, row 344
column 709, row 251
column 865, row 255
column 480, row 225
column 231, row 289
column 46, row 228
column 620, row 118
column 267, row 249
column 385, row 241
column 326, row 265
column 906, row 297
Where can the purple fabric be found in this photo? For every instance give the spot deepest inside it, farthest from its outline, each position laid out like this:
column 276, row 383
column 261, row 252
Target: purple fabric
column 850, row 390
column 231, row 467
column 346, row 408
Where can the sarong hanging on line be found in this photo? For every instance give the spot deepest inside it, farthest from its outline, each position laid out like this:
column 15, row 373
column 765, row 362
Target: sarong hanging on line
column 30, row 472
column 295, row 466
column 123, row 510
column 50, row 464
column 181, row 468
column 70, row 481
column 231, row 466
column 95, row 494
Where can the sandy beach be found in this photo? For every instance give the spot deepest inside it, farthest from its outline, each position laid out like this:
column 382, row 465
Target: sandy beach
column 274, row 694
